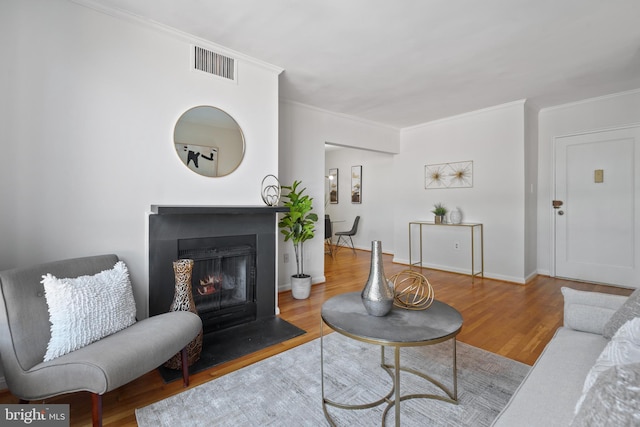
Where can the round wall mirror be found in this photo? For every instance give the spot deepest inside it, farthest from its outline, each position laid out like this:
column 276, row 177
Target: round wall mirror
column 209, row 141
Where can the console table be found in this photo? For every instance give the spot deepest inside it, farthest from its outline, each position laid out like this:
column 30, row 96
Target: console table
column 471, row 226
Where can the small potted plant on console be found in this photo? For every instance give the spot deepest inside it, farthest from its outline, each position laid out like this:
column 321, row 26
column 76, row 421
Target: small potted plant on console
column 439, row 211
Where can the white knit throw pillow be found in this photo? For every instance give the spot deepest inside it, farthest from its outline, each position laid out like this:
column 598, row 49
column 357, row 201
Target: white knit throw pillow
column 87, row 308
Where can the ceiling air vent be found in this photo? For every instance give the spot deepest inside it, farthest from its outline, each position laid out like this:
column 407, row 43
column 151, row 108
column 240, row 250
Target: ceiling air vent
column 214, row 63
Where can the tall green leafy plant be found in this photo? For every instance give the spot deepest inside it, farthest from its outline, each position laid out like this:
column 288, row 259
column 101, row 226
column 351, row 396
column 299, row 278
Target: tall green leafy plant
column 297, row 225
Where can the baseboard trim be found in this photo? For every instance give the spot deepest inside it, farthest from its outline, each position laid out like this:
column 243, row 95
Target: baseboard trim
column 502, row 278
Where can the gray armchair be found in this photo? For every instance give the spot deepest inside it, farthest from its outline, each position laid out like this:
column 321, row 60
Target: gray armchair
column 97, row 368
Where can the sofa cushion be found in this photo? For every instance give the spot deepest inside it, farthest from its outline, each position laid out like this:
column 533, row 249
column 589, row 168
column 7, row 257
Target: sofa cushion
column 629, row 310
column 624, row 348
column 613, row 400
column 85, row 309
column 548, row 395
column 589, row 311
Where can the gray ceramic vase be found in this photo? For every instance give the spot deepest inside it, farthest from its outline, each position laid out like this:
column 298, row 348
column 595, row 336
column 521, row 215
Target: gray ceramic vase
column 377, row 295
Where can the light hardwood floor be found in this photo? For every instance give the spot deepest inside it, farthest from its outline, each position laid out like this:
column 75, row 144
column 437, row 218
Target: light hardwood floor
column 513, row 320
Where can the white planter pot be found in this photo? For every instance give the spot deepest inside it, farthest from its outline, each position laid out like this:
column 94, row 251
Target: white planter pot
column 301, row 287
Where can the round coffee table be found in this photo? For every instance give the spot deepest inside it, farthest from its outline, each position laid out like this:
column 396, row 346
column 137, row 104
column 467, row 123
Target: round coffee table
column 346, row 315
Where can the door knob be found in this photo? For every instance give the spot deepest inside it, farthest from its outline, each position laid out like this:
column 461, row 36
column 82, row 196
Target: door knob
column 560, row 212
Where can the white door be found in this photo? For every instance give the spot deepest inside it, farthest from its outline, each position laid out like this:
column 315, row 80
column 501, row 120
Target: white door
column 597, row 227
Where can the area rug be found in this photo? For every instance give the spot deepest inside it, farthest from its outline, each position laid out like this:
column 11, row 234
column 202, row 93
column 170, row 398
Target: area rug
column 235, row 342
column 285, row 389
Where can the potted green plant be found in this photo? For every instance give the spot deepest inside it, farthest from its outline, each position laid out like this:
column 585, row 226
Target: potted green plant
column 297, row 225
column 439, row 211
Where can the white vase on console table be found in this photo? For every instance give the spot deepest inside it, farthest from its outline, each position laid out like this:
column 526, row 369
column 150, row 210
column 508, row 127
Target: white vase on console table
column 455, row 217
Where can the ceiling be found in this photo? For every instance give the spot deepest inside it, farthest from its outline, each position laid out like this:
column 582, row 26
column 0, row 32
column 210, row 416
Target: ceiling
column 406, row 62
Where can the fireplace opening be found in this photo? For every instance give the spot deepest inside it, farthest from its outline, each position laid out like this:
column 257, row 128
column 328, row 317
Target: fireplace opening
column 223, row 279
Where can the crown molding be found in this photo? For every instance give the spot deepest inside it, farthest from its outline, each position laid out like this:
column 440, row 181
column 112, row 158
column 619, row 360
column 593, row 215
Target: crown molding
column 340, row 115
column 588, row 100
column 464, row 115
column 174, row 32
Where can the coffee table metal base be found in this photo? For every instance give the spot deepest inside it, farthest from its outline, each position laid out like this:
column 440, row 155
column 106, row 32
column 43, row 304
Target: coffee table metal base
column 393, row 398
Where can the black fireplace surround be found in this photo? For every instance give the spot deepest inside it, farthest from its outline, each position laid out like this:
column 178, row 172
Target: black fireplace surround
column 224, row 234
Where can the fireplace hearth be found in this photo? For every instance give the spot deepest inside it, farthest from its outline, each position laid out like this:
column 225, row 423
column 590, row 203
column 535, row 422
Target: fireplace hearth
column 233, row 248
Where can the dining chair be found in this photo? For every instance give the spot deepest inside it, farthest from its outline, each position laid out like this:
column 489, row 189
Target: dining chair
column 328, row 235
column 343, row 235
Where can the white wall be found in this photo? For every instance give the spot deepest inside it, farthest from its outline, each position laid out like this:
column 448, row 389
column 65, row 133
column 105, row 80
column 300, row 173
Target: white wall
column 303, row 132
column 376, row 209
column 531, row 190
column 494, row 139
column 592, row 114
column 89, row 102
column 10, row 179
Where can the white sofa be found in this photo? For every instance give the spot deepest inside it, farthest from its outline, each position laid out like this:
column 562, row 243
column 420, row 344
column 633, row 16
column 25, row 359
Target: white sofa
column 549, row 393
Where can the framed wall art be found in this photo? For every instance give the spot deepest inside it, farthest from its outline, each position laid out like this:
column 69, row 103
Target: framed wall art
column 333, row 186
column 356, row 184
column 199, row 158
column 449, row 175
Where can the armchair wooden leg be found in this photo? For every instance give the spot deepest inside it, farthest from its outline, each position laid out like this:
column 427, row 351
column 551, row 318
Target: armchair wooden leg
column 96, row 409
column 185, row 367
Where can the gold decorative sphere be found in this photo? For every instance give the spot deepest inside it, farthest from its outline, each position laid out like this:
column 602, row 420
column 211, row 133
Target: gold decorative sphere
column 412, row 290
